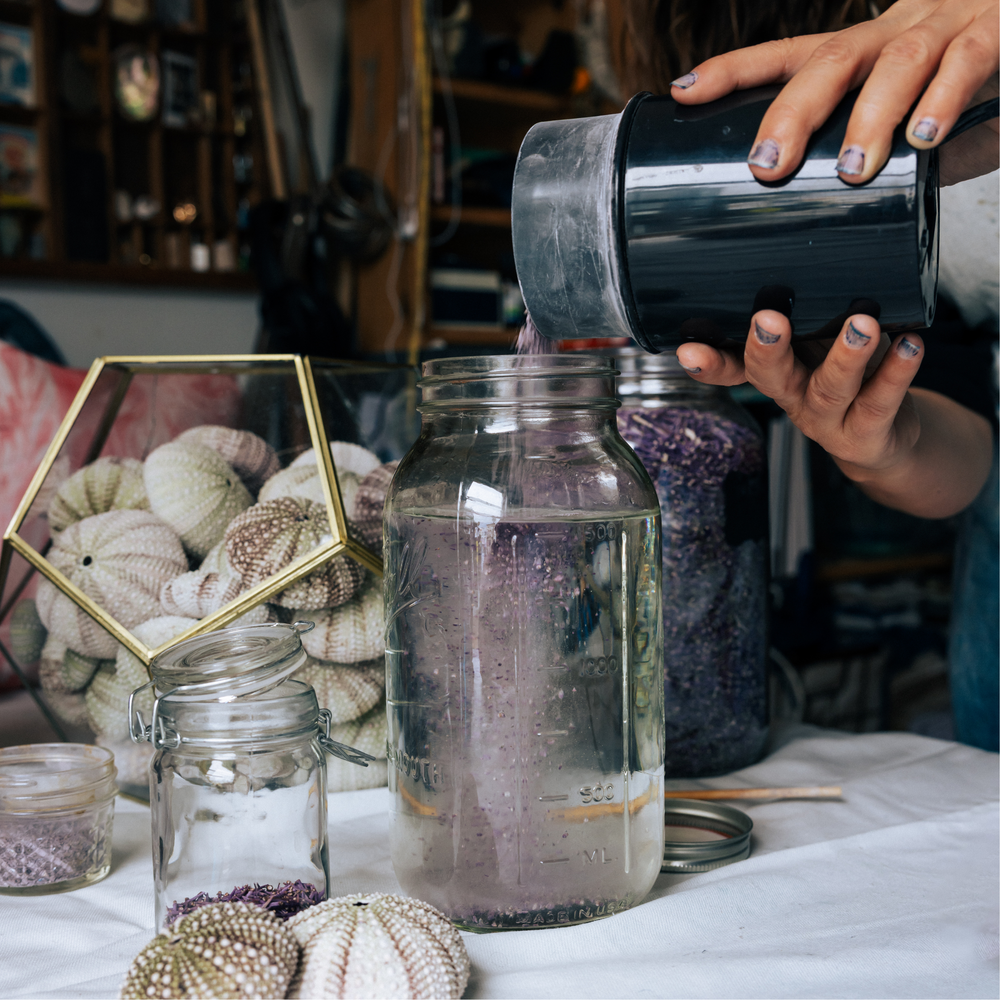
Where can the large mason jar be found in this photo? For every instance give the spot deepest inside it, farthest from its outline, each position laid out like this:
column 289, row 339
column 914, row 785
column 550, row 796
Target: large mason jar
column 523, row 654
column 706, row 456
column 237, row 782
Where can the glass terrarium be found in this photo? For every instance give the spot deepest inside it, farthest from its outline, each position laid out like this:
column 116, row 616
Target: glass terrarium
column 184, row 494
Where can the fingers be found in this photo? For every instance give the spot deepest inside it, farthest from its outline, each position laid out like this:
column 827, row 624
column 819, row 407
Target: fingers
column 771, row 62
column 714, row 367
column 968, row 62
column 877, row 403
column 898, row 76
column 840, row 63
column 770, row 364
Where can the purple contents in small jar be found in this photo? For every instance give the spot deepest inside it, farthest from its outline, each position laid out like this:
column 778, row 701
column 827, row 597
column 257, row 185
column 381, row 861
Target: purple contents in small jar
column 56, row 813
column 706, row 458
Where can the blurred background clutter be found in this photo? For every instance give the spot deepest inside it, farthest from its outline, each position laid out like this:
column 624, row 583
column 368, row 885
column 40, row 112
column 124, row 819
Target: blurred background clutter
column 333, row 178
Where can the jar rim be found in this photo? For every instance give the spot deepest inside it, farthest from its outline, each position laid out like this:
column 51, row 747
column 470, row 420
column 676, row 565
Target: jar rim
column 441, row 370
column 49, row 777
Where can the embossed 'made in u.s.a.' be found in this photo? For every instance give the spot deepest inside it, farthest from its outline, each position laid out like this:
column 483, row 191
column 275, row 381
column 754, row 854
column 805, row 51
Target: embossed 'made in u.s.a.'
column 524, row 665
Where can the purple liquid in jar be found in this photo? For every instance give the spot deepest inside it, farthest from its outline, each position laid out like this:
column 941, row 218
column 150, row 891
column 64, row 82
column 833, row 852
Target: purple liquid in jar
column 525, row 713
column 707, row 463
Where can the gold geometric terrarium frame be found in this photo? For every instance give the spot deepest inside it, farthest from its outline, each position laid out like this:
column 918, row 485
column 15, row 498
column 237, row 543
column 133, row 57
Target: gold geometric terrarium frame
column 249, row 364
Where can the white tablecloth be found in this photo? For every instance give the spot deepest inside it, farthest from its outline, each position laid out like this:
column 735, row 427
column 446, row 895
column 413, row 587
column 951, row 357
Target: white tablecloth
column 889, row 893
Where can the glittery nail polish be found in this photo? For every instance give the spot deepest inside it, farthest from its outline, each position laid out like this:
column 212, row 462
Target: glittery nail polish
column 693, row 371
column 685, row 81
column 925, row 130
column 906, row 349
column 763, row 336
column 852, row 161
column 765, row 154
column 853, row 337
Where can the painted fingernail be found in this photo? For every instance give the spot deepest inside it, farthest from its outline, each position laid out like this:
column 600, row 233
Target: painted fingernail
column 763, row 336
column 853, row 337
column 685, row 81
column 765, row 154
column 852, row 161
column 693, row 371
column 906, row 349
column 926, row 130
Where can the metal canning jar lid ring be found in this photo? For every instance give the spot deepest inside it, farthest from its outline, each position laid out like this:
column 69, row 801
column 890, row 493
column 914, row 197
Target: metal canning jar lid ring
column 700, row 836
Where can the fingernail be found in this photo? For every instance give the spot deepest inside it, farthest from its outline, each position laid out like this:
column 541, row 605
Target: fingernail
column 693, row 371
column 685, row 81
column 765, row 154
column 852, row 161
column 907, row 350
column 926, row 130
column 763, row 336
column 853, row 337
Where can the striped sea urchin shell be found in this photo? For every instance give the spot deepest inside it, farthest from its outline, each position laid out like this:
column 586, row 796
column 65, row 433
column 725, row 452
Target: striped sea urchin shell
column 120, row 560
column 107, row 696
column 348, row 692
column 299, row 481
column 195, row 491
column 250, row 456
column 62, row 670
column 27, row 633
column 380, row 946
column 368, row 734
column 106, row 484
column 350, row 633
column 219, row 950
column 269, row 536
column 366, row 515
column 197, row 594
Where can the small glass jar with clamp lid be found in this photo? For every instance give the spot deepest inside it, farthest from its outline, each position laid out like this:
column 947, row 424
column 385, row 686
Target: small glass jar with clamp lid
column 237, row 785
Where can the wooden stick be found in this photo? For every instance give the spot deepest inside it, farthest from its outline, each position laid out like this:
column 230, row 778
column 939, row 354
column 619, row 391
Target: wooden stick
column 814, row 792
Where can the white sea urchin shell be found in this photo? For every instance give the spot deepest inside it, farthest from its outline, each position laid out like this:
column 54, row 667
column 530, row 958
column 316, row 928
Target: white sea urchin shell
column 374, row 945
column 120, row 560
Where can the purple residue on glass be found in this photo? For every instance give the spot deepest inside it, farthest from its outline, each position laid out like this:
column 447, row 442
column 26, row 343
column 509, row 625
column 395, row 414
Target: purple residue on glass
column 285, row 901
column 709, row 475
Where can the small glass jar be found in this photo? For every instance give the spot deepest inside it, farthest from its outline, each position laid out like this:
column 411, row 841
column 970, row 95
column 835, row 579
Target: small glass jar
column 237, row 781
column 706, row 457
column 524, row 674
column 57, row 810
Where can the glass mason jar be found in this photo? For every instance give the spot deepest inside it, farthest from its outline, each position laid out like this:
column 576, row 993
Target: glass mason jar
column 57, row 810
column 706, row 456
column 523, row 657
column 237, row 782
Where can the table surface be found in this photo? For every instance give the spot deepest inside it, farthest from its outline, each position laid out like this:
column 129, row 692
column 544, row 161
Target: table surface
column 891, row 892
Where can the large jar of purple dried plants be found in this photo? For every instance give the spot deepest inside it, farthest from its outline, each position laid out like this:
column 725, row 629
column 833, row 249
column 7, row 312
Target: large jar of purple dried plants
column 57, row 808
column 706, row 457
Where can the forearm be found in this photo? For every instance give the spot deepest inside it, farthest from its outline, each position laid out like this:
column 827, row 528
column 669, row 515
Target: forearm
column 944, row 470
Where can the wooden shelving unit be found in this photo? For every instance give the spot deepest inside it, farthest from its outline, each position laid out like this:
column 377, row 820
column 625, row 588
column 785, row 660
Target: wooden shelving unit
column 389, row 293
column 94, row 162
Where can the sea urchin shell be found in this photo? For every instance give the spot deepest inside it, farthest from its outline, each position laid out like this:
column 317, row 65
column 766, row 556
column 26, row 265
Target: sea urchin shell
column 120, row 560
column 378, row 945
column 195, row 491
column 221, row 950
column 251, row 457
column 107, row 484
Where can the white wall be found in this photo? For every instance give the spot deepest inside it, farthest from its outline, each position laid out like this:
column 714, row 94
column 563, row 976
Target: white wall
column 87, row 321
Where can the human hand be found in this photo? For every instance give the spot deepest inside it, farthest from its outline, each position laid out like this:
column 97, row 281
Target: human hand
column 948, row 46
column 866, row 425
